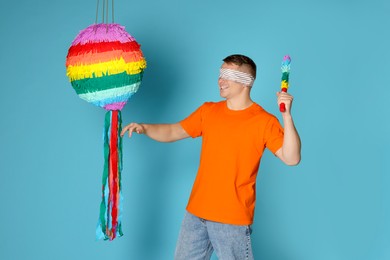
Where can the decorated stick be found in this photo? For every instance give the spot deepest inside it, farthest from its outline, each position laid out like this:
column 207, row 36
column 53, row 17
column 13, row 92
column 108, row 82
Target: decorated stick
column 285, row 75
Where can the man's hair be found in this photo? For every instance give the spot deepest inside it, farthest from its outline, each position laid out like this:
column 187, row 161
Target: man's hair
column 240, row 60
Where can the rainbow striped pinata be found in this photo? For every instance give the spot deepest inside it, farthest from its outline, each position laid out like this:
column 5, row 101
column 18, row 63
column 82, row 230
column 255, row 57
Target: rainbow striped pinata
column 105, row 66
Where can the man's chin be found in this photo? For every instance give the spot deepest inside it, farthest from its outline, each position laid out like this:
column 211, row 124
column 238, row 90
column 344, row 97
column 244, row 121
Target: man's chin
column 222, row 95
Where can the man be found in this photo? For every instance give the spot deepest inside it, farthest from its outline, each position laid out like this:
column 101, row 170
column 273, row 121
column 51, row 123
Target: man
column 234, row 134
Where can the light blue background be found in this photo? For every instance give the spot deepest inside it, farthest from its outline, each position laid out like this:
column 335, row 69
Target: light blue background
column 333, row 206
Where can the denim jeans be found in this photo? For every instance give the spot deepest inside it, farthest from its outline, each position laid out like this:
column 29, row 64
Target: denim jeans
column 198, row 239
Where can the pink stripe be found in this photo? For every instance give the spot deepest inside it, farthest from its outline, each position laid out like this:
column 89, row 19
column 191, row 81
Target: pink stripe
column 99, row 33
column 115, row 106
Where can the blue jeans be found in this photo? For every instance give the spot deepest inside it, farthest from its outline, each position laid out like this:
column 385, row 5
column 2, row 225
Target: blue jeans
column 198, row 239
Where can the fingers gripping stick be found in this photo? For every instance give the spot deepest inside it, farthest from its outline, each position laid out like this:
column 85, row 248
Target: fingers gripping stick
column 285, row 75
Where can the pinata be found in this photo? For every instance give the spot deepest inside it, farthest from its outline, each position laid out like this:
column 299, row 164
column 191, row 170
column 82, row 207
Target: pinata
column 105, row 66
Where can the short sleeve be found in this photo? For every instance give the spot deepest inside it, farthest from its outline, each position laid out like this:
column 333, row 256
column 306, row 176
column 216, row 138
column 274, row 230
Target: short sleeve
column 193, row 123
column 273, row 135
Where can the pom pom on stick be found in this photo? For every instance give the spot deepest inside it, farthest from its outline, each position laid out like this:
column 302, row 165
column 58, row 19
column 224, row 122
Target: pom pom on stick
column 285, row 76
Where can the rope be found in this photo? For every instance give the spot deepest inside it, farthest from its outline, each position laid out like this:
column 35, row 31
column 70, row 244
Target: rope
column 104, row 12
column 106, row 16
column 112, row 2
column 97, row 11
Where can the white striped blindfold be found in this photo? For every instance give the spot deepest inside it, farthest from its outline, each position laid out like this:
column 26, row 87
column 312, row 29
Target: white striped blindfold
column 236, row 76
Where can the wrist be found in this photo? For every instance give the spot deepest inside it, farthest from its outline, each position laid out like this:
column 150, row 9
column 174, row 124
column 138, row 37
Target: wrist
column 286, row 116
column 143, row 128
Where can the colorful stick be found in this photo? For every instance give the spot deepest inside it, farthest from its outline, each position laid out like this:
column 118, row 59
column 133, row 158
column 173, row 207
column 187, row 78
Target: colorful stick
column 285, row 75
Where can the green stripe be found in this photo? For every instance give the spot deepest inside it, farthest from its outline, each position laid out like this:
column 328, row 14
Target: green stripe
column 120, row 149
column 120, row 229
column 107, row 123
column 83, row 86
column 285, row 76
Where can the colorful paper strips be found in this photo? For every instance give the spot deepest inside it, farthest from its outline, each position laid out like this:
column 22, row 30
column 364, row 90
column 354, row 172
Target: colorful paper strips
column 105, row 65
column 109, row 225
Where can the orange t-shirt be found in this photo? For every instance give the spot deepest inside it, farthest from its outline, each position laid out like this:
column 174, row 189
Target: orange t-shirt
column 232, row 145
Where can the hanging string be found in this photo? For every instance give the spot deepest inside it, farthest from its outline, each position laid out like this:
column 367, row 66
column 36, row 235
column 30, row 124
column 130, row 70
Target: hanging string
column 112, row 7
column 105, row 10
column 104, row 5
column 97, row 11
column 106, row 16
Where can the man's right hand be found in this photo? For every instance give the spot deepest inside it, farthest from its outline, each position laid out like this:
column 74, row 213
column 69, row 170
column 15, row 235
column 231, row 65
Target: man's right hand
column 133, row 127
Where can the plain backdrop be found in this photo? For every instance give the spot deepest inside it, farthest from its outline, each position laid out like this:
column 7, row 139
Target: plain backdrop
column 335, row 205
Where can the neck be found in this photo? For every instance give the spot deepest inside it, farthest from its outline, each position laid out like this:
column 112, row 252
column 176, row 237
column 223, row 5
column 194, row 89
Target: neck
column 239, row 103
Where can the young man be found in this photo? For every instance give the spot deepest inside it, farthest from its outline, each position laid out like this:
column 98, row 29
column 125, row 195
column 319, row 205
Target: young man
column 234, row 134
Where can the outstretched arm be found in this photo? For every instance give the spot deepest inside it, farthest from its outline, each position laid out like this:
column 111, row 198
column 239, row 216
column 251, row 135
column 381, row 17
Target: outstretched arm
column 158, row 132
column 290, row 152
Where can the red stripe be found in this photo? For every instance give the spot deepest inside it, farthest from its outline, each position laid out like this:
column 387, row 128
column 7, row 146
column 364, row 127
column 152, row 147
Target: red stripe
column 102, row 47
column 114, row 168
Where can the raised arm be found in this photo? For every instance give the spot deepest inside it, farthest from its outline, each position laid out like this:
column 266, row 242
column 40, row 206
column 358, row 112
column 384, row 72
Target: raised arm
column 290, row 152
column 158, row 132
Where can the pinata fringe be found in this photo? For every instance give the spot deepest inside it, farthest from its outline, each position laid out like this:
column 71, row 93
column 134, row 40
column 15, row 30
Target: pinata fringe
column 110, row 96
column 84, row 86
column 105, row 68
column 103, row 47
column 109, row 225
column 87, row 59
column 98, row 32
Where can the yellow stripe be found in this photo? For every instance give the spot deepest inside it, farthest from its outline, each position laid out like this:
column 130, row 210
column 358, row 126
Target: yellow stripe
column 105, row 68
column 284, row 84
